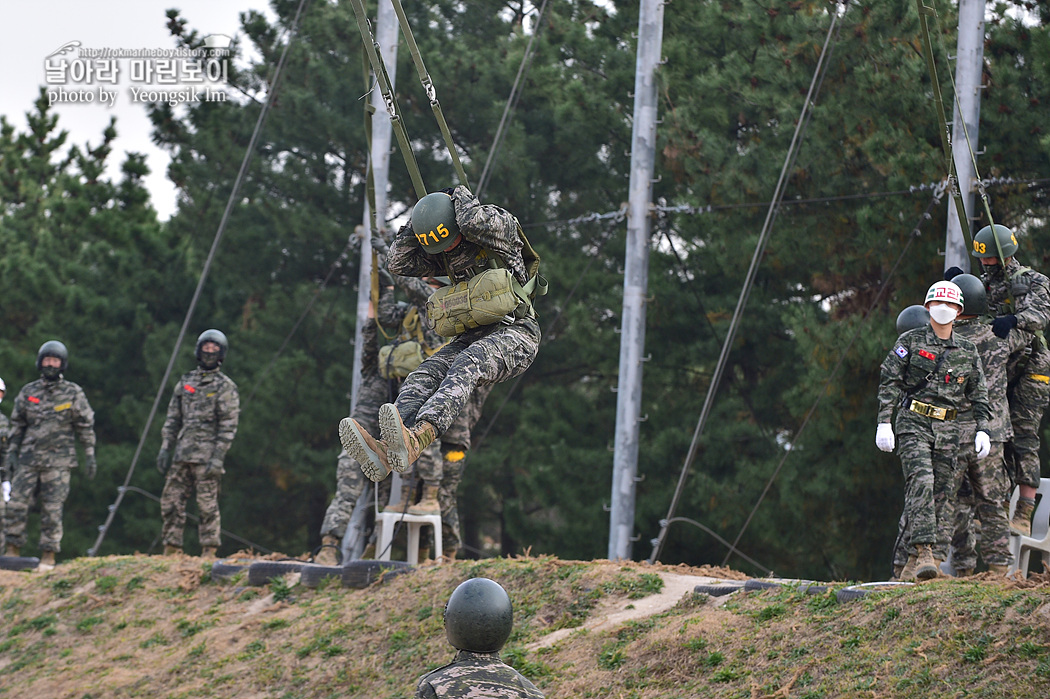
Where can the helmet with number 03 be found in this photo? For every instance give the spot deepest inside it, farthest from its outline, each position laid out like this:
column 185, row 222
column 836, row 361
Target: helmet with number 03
column 975, row 298
column 947, row 292
column 478, row 616
column 912, row 317
column 984, row 242
column 434, row 223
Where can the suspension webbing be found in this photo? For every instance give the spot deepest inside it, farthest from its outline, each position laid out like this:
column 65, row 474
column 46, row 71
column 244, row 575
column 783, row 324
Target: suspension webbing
column 379, row 70
column 428, row 87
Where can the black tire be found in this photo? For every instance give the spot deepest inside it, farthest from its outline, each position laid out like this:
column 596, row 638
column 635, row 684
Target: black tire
column 717, row 590
column 227, row 568
column 760, row 584
column 356, row 574
column 18, row 562
column 262, row 572
column 806, row 586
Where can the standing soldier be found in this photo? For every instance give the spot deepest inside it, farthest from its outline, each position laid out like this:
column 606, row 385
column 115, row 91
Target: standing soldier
column 487, row 311
column 201, row 424
column 929, row 376
column 1019, row 297
column 5, row 478
column 478, row 621
column 50, row 415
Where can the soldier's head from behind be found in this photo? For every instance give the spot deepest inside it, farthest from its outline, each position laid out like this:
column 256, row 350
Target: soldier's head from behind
column 993, row 244
column 51, row 360
column 944, row 301
column 975, row 298
column 434, row 223
column 211, row 349
column 912, row 317
column 478, row 616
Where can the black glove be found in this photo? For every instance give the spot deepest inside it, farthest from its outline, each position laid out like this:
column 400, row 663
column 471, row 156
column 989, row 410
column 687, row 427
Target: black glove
column 163, row 461
column 378, row 244
column 90, row 467
column 449, row 190
column 1002, row 325
column 952, row 272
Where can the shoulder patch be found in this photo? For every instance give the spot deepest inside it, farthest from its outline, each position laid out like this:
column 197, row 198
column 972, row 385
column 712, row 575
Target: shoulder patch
column 900, row 351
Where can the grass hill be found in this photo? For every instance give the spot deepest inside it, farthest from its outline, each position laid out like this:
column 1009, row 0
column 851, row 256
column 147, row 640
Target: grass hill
column 139, row 626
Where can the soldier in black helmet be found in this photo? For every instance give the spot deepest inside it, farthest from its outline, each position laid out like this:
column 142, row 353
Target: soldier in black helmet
column 49, row 416
column 200, row 427
column 478, row 621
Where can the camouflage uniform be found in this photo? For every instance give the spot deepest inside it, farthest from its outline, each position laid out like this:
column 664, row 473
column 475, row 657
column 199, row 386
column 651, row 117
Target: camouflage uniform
column 5, row 426
column 438, row 390
column 1029, row 387
column 201, row 424
column 46, row 421
column 455, row 444
column 928, row 447
column 476, row 675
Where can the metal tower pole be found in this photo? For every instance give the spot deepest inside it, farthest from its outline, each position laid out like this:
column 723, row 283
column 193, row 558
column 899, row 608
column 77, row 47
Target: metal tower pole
column 636, row 279
column 969, row 62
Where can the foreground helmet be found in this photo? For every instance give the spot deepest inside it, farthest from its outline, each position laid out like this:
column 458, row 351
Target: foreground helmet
column 912, row 317
column 975, row 298
column 984, row 242
column 52, row 348
column 478, row 616
column 948, row 292
column 434, row 222
column 219, row 338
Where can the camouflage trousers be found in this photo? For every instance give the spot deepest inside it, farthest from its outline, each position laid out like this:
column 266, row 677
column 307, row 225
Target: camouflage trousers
column 373, row 392
column 182, row 478
column 990, row 486
column 443, row 384
column 52, row 484
column 1028, row 401
column 928, row 471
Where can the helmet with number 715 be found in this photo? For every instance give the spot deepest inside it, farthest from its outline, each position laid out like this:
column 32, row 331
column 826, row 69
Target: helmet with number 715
column 434, row 223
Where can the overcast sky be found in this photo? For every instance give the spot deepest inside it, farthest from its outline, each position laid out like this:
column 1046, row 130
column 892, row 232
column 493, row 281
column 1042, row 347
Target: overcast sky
column 32, row 31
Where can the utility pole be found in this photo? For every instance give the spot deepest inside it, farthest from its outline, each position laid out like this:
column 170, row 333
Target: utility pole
column 966, row 117
column 636, row 279
column 386, row 28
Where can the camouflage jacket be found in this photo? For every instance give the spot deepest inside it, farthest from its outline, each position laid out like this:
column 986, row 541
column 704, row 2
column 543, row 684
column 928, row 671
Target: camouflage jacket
column 1030, row 291
column 202, row 417
column 484, row 227
column 47, row 419
column 959, row 383
column 476, row 675
column 995, row 354
column 5, row 426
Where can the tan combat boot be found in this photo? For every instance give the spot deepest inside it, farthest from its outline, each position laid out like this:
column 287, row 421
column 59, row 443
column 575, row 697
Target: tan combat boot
column 369, row 452
column 208, row 552
column 403, row 445
column 328, row 555
column 897, row 570
column 13, row 550
column 449, row 555
column 926, row 566
column 908, row 572
column 1021, row 523
column 424, row 555
column 408, row 494
column 428, row 504
column 47, row 559
column 999, row 570
column 170, row 550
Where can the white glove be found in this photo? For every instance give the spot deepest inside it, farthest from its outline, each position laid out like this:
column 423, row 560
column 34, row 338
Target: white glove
column 982, row 444
column 7, row 491
column 884, row 437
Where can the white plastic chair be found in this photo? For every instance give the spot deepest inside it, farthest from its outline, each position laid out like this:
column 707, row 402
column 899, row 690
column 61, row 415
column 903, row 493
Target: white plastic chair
column 386, row 523
column 1021, row 547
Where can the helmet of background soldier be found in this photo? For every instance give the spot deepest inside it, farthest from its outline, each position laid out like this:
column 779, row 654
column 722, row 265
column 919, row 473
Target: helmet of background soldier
column 52, row 348
column 211, row 361
column 947, row 292
column 3, row 388
column 434, row 223
column 912, row 317
column 975, row 298
column 984, row 242
column 478, row 616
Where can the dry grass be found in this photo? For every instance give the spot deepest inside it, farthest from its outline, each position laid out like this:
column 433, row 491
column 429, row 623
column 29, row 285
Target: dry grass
column 159, row 627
